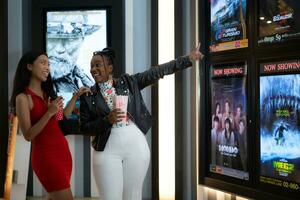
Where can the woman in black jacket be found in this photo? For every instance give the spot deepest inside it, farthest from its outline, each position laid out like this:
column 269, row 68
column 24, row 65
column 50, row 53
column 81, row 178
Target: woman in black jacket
column 121, row 154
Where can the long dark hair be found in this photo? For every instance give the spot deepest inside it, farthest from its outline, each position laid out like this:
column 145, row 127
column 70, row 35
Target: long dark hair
column 227, row 121
column 216, row 105
column 23, row 76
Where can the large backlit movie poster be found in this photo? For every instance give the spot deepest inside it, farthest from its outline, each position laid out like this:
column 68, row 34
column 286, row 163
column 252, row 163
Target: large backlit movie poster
column 229, row 146
column 228, row 25
column 71, row 39
column 280, row 125
column 278, row 20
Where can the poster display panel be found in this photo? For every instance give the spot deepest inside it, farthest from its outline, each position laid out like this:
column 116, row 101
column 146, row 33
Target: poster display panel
column 278, row 21
column 229, row 145
column 280, row 124
column 71, row 38
column 228, row 25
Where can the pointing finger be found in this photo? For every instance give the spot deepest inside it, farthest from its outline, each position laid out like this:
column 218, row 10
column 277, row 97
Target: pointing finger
column 198, row 47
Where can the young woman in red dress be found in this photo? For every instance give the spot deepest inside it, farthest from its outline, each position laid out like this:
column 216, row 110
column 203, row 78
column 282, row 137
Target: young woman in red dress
column 50, row 157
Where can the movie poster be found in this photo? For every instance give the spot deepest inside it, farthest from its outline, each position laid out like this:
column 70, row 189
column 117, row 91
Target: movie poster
column 278, row 20
column 229, row 145
column 228, row 25
column 71, row 39
column 280, row 125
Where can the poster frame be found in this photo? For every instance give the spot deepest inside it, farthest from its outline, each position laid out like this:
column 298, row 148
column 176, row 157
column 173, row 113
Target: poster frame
column 254, row 55
column 209, row 110
column 291, row 43
column 230, row 49
column 263, row 186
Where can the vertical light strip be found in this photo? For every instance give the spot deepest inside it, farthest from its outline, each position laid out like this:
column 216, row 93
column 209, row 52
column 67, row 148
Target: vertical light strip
column 129, row 36
column 197, row 86
column 166, row 97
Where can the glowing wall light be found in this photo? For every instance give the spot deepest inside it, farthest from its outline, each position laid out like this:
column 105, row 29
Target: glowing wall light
column 166, row 100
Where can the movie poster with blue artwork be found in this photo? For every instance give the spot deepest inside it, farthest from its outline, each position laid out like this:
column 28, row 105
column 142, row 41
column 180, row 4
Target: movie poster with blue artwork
column 229, row 143
column 280, row 125
column 228, row 24
column 71, row 39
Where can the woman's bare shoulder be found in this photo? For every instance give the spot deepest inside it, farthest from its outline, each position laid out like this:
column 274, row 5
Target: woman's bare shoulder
column 21, row 97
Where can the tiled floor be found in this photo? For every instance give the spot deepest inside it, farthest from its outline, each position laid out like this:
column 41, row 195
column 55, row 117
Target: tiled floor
column 44, row 198
column 37, row 198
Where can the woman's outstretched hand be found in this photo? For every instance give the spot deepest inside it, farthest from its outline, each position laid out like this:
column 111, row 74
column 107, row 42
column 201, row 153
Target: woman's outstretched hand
column 81, row 91
column 196, row 54
column 72, row 103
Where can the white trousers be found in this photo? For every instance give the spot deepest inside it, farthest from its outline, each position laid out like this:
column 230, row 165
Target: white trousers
column 120, row 169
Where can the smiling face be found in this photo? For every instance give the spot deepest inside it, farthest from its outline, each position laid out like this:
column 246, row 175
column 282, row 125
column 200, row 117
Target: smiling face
column 100, row 69
column 227, row 107
column 216, row 124
column 40, row 68
column 238, row 111
column 217, row 108
column 227, row 126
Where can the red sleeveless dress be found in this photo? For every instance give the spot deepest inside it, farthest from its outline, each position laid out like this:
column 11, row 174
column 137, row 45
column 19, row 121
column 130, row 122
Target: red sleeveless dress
column 50, row 157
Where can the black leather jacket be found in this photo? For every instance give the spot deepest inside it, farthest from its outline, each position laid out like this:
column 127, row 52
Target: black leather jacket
column 94, row 110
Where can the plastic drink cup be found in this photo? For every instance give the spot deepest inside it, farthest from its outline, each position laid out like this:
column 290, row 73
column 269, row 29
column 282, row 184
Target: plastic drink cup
column 59, row 115
column 121, row 102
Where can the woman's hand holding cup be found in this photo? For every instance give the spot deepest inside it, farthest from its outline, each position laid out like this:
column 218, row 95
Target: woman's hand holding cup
column 116, row 115
column 55, row 106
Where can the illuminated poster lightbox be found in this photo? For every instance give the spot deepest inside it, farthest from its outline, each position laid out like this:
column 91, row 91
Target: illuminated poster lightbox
column 71, row 39
column 278, row 20
column 280, row 124
column 229, row 145
column 228, row 25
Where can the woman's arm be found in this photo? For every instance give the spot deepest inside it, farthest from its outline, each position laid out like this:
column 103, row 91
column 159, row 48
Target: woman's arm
column 23, row 114
column 71, row 104
column 152, row 75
